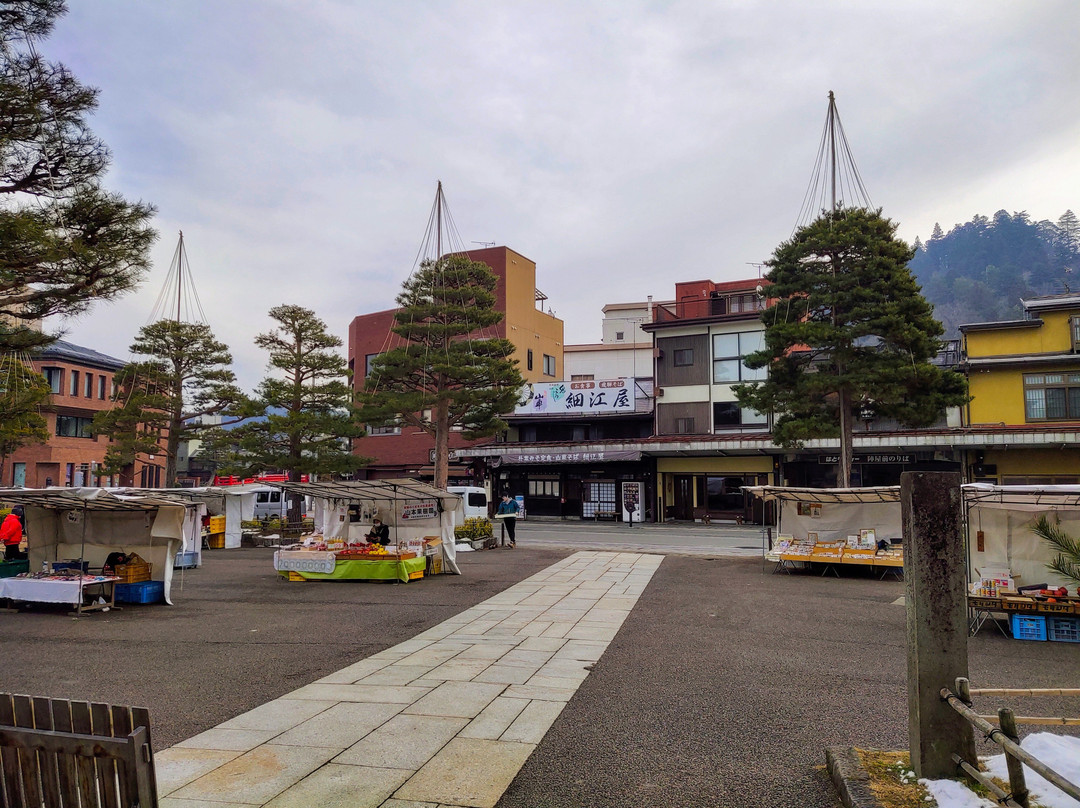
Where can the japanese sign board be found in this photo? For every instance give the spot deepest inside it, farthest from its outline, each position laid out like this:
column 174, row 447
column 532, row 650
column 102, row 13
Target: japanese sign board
column 423, row 509
column 560, row 398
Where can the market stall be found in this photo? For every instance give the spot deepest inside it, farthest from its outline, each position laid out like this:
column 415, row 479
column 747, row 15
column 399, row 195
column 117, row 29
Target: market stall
column 1008, row 563
column 235, row 503
column 71, row 532
column 833, row 527
column 421, row 521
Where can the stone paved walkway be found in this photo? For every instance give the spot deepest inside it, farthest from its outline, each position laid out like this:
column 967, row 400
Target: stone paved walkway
column 443, row 720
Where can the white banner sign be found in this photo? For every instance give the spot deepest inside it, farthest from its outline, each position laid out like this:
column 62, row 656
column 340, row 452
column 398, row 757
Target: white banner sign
column 559, row 398
column 304, row 561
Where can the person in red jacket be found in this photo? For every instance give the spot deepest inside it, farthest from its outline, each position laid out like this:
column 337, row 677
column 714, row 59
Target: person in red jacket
column 11, row 536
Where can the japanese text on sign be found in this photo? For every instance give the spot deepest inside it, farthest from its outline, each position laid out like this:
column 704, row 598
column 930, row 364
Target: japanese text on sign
column 612, row 395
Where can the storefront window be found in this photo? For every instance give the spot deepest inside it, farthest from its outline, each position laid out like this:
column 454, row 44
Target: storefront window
column 544, row 488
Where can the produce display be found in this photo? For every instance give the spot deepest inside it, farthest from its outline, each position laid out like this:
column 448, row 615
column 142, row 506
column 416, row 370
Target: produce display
column 348, row 551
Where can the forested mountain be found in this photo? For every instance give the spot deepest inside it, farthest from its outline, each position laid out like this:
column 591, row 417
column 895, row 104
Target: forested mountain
column 980, row 270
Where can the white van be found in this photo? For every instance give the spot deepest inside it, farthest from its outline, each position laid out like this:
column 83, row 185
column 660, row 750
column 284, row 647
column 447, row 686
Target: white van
column 271, row 502
column 475, row 497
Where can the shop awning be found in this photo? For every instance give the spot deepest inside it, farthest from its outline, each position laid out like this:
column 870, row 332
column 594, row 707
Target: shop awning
column 884, row 493
column 400, row 490
column 547, row 457
column 1021, row 497
column 91, row 499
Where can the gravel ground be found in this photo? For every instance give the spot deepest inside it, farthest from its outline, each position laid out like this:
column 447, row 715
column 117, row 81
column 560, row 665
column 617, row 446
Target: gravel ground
column 722, row 688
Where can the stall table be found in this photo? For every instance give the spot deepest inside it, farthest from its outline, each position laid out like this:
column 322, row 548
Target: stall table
column 324, row 565
column 62, row 589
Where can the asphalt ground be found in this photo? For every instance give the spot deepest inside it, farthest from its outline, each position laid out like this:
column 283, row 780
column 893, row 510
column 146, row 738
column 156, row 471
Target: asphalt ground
column 237, row 636
column 723, row 687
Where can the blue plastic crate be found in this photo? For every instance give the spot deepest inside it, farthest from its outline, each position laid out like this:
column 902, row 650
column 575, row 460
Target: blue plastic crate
column 1063, row 629
column 186, row 560
column 1028, row 627
column 142, row 592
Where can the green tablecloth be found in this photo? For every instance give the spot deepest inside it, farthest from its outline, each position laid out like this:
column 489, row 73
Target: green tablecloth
column 363, row 570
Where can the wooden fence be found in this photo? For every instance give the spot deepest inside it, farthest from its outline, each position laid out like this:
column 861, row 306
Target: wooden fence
column 74, row 754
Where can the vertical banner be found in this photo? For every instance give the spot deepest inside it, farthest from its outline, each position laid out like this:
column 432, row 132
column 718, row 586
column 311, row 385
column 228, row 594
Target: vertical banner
column 631, row 497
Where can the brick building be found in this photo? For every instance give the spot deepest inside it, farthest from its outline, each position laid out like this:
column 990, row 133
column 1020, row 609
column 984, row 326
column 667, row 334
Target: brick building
column 537, row 335
column 82, row 385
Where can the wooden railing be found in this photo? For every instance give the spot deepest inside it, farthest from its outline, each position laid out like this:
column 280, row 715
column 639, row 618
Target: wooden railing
column 1006, row 736
column 74, row 754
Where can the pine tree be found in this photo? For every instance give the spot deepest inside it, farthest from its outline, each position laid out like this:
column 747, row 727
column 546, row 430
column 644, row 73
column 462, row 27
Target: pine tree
column 306, row 412
column 445, row 375
column 186, row 376
column 64, row 241
column 847, row 330
column 23, row 392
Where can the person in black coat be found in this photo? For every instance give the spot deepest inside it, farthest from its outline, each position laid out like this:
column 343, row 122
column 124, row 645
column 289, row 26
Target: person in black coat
column 379, row 533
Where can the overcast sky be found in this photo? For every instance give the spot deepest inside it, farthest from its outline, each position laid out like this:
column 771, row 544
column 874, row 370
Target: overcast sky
column 620, row 145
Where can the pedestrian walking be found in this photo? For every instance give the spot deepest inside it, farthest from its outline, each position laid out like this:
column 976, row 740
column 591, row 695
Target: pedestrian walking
column 508, row 509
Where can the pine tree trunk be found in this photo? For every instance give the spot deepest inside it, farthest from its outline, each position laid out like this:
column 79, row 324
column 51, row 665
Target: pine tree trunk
column 442, row 444
column 843, row 473
column 172, row 446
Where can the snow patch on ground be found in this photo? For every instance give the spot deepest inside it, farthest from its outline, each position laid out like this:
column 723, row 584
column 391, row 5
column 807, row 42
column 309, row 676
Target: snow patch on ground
column 951, row 794
column 1060, row 752
column 463, row 548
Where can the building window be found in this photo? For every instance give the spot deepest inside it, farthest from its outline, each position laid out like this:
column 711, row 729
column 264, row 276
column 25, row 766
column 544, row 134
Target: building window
column 74, row 390
column 618, row 335
column 369, row 360
column 54, row 376
column 684, row 426
column 69, row 426
column 89, row 387
column 529, row 360
column 1074, row 330
column 544, row 488
column 101, row 387
column 729, row 351
column 582, row 377
column 684, row 357
column 393, row 429
column 728, row 416
column 549, row 365
column 1052, row 396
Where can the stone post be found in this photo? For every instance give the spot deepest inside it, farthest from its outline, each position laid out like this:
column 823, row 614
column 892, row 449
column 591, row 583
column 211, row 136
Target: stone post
column 937, row 619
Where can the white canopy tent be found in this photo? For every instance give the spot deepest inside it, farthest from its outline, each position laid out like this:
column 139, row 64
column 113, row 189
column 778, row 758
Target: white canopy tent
column 235, row 502
column 410, row 508
column 1004, row 514
column 834, row 513
column 91, row 523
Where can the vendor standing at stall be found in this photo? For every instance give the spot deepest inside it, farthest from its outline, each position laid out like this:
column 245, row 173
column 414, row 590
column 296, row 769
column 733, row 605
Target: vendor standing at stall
column 379, row 533
column 508, row 511
column 11, row 534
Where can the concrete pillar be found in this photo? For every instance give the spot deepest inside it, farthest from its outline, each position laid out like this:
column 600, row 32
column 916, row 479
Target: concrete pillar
column 937, row 629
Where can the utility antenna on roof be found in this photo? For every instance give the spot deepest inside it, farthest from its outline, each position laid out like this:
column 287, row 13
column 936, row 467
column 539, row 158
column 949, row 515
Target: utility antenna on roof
column 179, row 286
column 485, row 243
column 835, row 178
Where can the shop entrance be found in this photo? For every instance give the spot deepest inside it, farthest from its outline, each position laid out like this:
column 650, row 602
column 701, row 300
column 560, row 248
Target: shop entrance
column 683, row 507
column 598, row 499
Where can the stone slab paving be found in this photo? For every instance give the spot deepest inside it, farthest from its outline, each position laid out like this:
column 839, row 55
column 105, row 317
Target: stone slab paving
column 444, row 720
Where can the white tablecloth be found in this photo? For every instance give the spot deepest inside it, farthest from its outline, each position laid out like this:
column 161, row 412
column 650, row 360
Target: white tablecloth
column 40, row 590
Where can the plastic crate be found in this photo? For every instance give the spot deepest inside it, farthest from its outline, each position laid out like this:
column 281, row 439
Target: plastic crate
column 9, row 569
column 186, row 560
column 1028, row 627
column 71, row 565
column 1063, row 629
column 142, row 592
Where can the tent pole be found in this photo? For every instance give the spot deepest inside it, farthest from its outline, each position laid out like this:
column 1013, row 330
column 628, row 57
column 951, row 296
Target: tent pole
column 82, row 556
